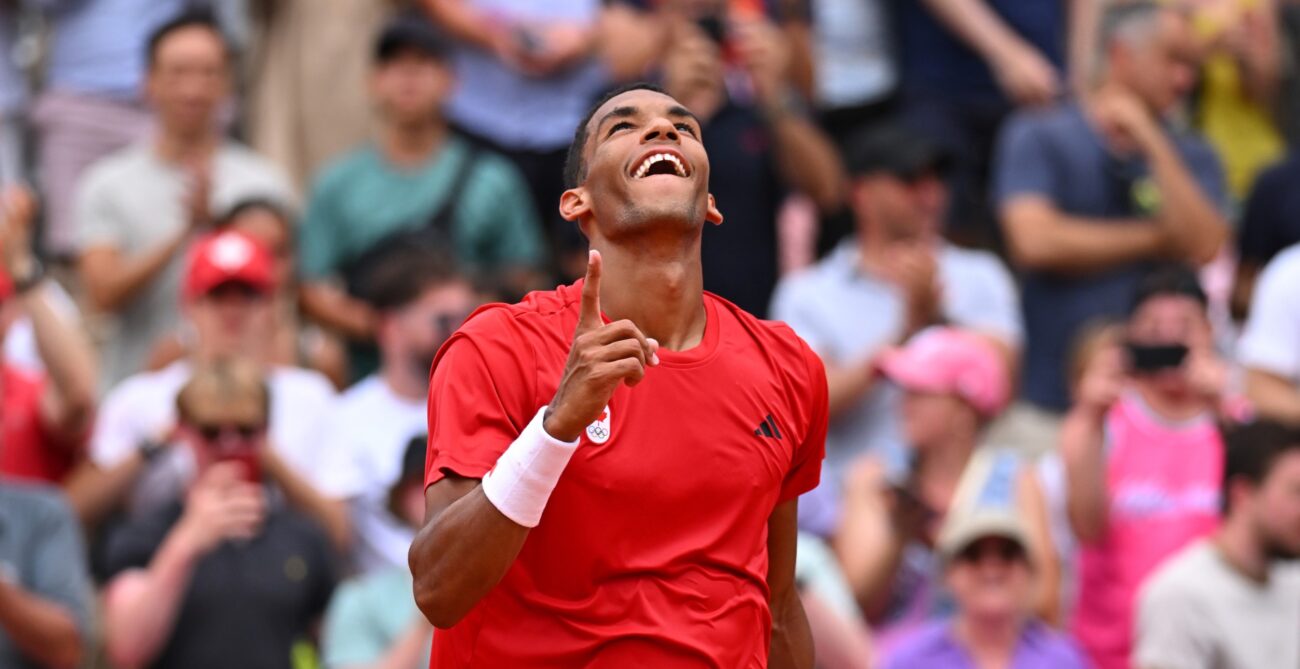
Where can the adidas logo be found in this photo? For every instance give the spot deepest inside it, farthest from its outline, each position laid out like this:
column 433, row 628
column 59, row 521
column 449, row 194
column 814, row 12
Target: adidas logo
column 767, row 428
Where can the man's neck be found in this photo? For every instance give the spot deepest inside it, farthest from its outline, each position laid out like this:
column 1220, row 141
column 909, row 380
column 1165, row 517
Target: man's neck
column 181, row 148
column 1239, row 546
column 403, row 382
column 412, row 144
column 659, row 289
column 990, row 642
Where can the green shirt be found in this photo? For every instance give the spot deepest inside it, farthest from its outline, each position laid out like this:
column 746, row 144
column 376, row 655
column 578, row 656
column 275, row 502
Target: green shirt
column 366, row 617
column 361, row 198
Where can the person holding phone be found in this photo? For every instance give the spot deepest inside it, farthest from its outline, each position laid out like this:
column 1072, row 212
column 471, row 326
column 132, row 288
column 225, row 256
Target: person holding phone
column 1143, row 455
column 227, row 577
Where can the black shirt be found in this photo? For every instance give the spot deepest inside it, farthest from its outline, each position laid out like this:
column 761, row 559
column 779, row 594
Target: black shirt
column 1271, row 221
column 248, row 601
column 740, row 256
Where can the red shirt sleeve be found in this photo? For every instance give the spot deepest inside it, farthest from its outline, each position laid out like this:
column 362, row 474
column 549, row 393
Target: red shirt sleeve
column 806, row 469
column 480, row 399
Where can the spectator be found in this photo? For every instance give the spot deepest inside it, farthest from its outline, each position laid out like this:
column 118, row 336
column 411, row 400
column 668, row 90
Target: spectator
column 1143, row 456
column 226, row 577
column 896, row 277
column 420, row 302
column 527, row 72
column 1270, row 223
column 757, row 150
column 856, row 70
column 306, row 61
column 46, row 415
column 955, row 383
column 138, row 209
column 1090, row 194
column 373, row 621
column 294, row 343
column 1232, row 600
column 421, row 184
column 1269, row 348
column 91, row 105
column 45, row 590
column 988, row 564
column 13, row 98
column 134, row 465
column 966, row 65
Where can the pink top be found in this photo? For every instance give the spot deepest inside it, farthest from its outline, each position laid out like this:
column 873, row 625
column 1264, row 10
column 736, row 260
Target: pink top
column 1163, row 482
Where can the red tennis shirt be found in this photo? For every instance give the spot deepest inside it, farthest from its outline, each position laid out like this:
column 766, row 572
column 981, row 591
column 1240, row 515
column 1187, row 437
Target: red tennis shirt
column 652, row 551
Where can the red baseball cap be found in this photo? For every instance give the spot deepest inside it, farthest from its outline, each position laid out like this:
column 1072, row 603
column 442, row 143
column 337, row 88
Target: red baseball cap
column 949, row 360
column 227, row 257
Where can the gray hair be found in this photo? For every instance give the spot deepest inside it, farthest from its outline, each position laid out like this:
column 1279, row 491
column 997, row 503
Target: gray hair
column 1131, row 22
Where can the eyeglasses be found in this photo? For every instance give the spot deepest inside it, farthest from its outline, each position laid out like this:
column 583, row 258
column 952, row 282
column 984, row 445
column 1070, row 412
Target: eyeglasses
column 1004, row 550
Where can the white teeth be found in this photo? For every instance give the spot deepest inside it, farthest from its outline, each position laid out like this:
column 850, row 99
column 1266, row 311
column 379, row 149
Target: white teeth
column 657, row 157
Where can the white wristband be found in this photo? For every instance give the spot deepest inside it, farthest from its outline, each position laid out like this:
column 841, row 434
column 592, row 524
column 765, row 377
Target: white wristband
column 524, row 476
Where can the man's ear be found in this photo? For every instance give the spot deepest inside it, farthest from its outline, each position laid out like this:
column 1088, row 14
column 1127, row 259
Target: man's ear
column 574, row 204
column 713, row 215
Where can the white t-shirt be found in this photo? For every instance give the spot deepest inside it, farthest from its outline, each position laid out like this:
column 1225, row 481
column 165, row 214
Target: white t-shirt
column 144, row 407
column 131, row 200
column 366, row 436
column 1196, row 612
column 1271, row 339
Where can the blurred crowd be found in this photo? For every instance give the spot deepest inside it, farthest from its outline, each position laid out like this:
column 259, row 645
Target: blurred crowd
column 1048, row 250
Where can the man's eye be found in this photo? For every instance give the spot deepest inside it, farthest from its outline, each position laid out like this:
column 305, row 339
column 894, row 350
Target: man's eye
column 619, row 126
column 686, row 128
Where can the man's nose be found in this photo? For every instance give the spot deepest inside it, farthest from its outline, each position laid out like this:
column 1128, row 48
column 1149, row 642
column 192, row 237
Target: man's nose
column 661, row 128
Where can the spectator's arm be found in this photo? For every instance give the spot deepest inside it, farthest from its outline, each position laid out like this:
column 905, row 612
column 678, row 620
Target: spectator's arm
column 1254, row 43
column 331, row 514
column 840, row 643
column 1041, row 237
column 867, row 542
column 792, row 646
column 141, row 606
column 1273, row 396
column 1186, row 212
column 1047, row 568
column 113, row 281
column 464, row 23
column 96, row 492
column 632, row 40
column 1084, row 456
column 41, row 630
column 847, row 384
column 68, row 406
column 336, row 310
column 1021, row 70
column 1081, row 44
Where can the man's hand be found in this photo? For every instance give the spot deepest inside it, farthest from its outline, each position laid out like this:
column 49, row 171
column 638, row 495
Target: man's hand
column 197, row 197
column 602, row 356
column 1124, row 121
column 1026, row 76
column 765, row 54
column 1208, row 374
column 913, row 268
column 222, row 506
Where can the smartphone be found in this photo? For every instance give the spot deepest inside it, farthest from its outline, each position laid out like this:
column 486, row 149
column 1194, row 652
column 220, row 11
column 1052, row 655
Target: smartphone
column 247, row 458
column 1155, row 358
column 714, row 26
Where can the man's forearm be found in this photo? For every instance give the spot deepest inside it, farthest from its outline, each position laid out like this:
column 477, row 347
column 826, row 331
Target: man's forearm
column 41, row 630
column 792, row 646
column 337, row 310
column 1041, row 238
column 141, row 606
column 112, row 282
column 806, row 158
column 976, row 25
column 1200, row 229
column 69, row 361
column 94, row 492
column 1085, row 468
column 461, row 21
column 1273, row 397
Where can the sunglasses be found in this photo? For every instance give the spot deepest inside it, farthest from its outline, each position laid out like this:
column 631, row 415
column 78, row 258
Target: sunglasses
column 216, row 432
column 1002, row 549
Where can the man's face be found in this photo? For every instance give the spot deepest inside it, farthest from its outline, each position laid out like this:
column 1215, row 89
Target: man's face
column 1162, row 71
column 410, row 87
column 1276, row 507
column 231, row 318
column 189, row 79
column 905, row 209
column 225, row 428
column 646, row 169
column 991, row 578
column 1164, row 320
column 414, row 334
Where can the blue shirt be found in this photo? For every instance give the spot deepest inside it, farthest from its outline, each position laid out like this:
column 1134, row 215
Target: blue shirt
column 937, row 61
column 517, row 111
column 1058, row 155
column 936, row 647
column 98, row 46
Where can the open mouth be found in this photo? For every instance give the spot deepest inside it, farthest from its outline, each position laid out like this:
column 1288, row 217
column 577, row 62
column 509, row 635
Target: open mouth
column 661, row 162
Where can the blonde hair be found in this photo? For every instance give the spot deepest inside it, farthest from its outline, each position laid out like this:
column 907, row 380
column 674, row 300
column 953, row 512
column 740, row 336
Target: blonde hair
column 224, row 380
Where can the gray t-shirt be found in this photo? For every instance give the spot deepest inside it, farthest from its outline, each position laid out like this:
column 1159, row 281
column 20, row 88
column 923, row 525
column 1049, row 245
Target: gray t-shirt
column 131, row 201
column 1196, row 612
column 846, row 316
column 41, row 550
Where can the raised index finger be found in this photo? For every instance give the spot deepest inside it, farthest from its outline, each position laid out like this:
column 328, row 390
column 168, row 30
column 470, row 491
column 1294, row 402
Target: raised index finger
column 589, row 310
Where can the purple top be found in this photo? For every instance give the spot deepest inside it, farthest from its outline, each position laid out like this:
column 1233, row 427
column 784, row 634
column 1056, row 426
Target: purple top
column 936, row 647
